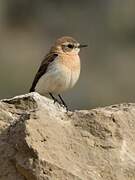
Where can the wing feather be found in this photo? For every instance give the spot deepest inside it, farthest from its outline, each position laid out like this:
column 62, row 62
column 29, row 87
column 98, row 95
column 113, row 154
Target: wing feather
column 42, row 69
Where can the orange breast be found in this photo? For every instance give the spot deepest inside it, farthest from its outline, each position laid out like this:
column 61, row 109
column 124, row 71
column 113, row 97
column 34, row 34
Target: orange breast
column 70, row 61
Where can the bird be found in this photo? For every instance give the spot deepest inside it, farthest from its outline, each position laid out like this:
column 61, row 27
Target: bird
column 60, row 69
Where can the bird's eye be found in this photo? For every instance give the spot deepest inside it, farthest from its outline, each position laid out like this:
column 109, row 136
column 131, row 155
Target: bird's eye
column 70, row 46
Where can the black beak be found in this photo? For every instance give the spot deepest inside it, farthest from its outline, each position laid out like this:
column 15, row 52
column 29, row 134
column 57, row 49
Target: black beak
column 82, row 45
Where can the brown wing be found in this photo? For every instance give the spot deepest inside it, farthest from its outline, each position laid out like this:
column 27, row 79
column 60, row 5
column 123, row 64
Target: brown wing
column 42, row 69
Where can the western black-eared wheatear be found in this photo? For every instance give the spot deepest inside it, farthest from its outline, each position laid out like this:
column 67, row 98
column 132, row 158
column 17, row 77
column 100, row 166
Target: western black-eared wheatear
column 60, row 69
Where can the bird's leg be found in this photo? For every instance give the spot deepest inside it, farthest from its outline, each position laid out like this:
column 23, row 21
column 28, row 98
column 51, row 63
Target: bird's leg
column 54, row 98
column 63, row 102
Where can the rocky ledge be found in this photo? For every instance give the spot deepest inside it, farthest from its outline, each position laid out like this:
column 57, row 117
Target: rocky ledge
column 39, row 140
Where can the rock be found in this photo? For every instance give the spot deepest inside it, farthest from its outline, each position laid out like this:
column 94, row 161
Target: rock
column 39, row 140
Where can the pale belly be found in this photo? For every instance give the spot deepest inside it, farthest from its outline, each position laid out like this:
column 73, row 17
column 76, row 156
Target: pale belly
column 57, row 79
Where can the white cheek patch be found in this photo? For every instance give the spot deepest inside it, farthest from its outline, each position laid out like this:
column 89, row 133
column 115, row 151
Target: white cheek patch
column 76, row 50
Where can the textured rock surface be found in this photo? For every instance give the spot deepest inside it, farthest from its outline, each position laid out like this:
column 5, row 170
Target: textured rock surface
column 40, row 141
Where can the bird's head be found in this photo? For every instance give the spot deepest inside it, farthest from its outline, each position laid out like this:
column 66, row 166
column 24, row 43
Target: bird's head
column 67, row 45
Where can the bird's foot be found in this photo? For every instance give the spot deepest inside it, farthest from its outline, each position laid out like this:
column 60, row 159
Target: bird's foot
column 61, row 104
column 65, row 106
column 55, row 100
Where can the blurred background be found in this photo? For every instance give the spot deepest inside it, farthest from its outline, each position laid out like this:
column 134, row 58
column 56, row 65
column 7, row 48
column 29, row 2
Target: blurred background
column 29, row 27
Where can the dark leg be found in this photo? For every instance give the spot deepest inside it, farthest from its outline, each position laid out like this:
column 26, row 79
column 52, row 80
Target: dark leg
column 63, row 102
column 54, row 98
